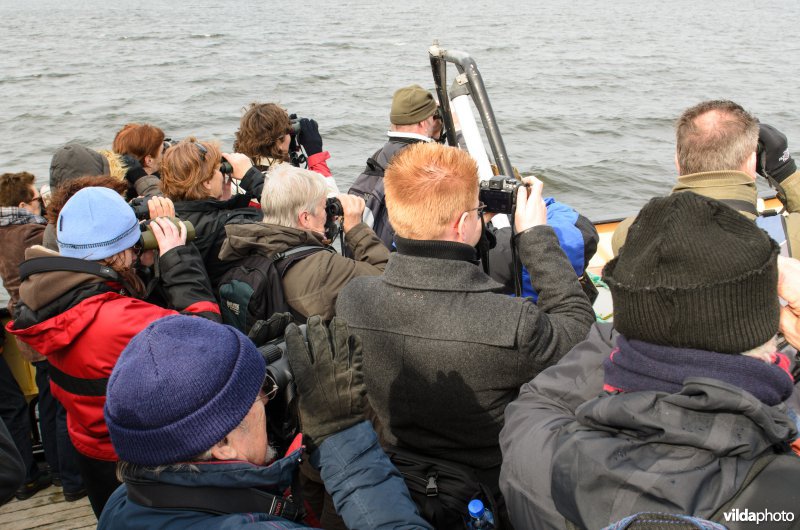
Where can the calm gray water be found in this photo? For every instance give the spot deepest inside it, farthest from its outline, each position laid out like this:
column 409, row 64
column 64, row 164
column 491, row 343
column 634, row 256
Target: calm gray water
column 585, row 92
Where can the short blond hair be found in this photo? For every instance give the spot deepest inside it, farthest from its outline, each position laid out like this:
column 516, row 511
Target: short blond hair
column 186, row 167
column 288, row 191
column 427, row 186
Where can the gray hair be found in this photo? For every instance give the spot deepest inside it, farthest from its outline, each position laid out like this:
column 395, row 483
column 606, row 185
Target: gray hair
column 715, row 135
column 288, row 191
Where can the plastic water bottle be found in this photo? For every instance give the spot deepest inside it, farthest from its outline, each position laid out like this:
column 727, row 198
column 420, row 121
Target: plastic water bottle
column 480, row 517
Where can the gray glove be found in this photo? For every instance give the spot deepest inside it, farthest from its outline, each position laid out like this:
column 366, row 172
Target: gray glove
column 328, row 374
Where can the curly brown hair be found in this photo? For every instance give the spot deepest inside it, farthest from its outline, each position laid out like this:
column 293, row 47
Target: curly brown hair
column 16, row 188
column 261, row 131
column 68, row 188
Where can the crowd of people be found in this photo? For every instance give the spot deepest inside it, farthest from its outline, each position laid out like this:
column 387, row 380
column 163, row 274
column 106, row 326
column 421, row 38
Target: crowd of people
column 206, row 358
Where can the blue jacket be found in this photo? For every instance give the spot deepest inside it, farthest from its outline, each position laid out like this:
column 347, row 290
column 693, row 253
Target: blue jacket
column 366, row 488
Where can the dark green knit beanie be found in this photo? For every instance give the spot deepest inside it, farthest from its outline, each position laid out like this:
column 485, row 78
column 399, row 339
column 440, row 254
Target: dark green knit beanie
column 412, row 104
column 694, row 273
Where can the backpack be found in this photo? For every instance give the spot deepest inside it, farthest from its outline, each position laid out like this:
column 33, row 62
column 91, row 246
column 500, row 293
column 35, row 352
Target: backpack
column 252, row 287
column 441, row 489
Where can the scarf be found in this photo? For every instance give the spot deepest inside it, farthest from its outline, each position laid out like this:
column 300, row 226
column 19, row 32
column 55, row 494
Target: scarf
column 11, row 215
column 635, row 366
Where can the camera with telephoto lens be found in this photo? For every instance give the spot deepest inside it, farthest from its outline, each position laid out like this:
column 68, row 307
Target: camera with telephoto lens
column 499, row 194
column 148, row 238
column 283, row 422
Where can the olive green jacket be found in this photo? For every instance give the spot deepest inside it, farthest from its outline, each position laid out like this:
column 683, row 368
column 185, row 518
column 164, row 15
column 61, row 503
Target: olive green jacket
column 731, row 186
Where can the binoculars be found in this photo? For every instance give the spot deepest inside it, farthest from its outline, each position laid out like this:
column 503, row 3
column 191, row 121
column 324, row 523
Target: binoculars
column 148, row 238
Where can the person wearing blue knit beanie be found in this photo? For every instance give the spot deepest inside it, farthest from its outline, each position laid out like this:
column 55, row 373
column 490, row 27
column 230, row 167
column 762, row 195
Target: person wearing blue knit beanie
column 186, row 411
column 81, row 307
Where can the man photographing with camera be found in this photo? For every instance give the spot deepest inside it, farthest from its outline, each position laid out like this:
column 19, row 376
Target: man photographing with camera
column 444, row 350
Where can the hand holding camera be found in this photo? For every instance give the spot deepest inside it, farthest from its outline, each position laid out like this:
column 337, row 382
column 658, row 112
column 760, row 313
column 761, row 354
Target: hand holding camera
column 239, row 163
column 328, row 373
column 353, row 208
column 531, row 210
column 772, row 157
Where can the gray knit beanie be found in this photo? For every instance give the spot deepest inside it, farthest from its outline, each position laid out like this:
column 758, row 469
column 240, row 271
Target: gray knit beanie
column 694, row 273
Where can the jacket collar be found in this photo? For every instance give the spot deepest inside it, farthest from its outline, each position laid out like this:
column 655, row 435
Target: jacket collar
column 436, row 249
column 437, row 266
column 276, row 477
column 720, row 185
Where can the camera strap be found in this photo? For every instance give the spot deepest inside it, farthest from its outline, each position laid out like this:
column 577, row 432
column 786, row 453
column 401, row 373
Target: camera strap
column 213, row 500
column 60, row 263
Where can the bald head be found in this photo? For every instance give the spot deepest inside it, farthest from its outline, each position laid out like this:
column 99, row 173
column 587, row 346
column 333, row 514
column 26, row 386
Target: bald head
column 716, row 135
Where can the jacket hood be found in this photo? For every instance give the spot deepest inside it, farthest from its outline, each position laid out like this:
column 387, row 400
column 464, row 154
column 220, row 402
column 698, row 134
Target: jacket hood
column 647, row 451
column 42, row 289
column 265, row 239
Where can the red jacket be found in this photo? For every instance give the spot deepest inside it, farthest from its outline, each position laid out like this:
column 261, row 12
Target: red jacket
column 85, row 339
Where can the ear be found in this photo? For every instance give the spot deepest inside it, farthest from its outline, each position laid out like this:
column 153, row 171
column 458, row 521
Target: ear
column 750, row 165
column 677, row 165
column 207, row 184
column 302, row 220
column 224, row 451
column 460, row 227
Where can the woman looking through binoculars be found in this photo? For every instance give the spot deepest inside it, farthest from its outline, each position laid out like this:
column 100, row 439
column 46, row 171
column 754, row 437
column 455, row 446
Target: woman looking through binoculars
column 80, row 307
column 194, row 177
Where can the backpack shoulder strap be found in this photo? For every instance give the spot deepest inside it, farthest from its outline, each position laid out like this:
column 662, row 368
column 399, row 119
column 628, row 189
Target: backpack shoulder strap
column 60, row 263
column 284, row 260
column 218, row 501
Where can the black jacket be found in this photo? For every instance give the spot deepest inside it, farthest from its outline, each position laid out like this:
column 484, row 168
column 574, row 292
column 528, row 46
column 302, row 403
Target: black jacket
column 369, row 185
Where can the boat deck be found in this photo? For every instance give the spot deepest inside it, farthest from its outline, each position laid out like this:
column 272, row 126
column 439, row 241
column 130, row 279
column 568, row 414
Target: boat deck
column 45, row 510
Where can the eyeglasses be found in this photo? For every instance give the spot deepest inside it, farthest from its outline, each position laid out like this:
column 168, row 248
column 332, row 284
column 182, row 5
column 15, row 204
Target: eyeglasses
column 437, row 115
column 481, row 208
column 268, row 390
column 37, row 199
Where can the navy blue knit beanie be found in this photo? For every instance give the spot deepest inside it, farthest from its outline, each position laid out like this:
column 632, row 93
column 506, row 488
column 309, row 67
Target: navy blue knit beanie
column 180, row 386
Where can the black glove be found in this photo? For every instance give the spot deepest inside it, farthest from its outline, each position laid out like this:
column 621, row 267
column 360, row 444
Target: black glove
column 133, row 169
column 264, row 331
column 309, row 136
column 773, row 159
column 328, row 374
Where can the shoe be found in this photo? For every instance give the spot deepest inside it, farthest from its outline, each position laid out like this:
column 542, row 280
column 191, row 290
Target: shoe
column 75, row 496
column 29, row 489
column 56, row 477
